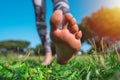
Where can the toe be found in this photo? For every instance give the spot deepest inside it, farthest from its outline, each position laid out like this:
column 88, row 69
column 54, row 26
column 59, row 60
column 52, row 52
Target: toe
column 78, row 35
column 72, row 26
column 66, row 20
column 72, row 21
column 56, row 19
column 68, row 16
column 73, row 29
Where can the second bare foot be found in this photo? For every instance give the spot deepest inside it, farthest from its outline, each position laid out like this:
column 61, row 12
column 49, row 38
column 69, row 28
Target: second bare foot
column 48, row 59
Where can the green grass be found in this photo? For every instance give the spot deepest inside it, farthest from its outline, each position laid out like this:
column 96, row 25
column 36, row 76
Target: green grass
column 85, row 67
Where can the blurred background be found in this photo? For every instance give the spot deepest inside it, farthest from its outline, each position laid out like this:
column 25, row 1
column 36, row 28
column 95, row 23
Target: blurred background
column 99, row 21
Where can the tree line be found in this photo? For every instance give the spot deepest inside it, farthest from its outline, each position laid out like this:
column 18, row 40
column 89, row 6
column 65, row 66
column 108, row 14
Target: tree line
column 21, row 46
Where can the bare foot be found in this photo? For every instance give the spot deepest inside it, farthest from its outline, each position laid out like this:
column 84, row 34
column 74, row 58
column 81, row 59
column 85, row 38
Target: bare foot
column 66, row 40
column 48, row 59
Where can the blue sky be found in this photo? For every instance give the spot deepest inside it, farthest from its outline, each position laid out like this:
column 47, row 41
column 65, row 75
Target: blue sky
column 17, row 19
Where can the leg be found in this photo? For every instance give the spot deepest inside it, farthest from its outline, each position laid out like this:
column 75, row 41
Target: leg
column 40, row 11
column 67, row 39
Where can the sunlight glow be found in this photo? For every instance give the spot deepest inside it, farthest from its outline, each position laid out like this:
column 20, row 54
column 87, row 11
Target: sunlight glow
column 114, row 3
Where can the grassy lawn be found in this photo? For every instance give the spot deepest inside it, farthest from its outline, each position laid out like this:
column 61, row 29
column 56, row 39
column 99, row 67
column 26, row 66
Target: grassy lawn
column 80, row 67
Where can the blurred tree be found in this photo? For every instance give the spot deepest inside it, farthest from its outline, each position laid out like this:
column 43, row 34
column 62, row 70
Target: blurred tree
column 39, row 49
column 106, row 22
column 14, row 45
column 102, row 25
